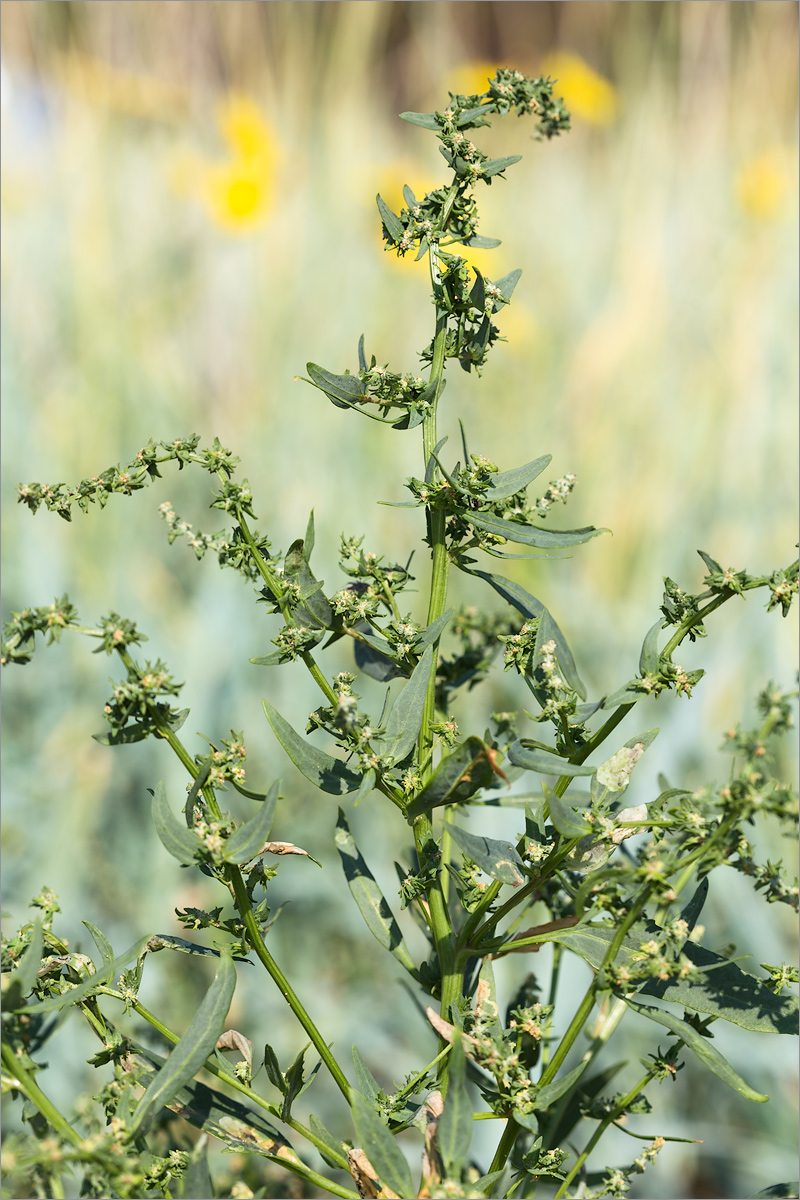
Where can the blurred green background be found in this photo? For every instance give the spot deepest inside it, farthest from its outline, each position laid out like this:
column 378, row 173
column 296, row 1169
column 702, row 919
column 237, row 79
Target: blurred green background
column 188, row 215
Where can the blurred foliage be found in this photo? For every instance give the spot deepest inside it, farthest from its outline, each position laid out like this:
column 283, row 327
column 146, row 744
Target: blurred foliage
column 186, row 225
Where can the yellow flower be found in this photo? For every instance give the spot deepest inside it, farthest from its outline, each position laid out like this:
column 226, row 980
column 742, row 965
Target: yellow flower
column 472, row 78
column 587, row 95
column 238, row 192
column 762, row 183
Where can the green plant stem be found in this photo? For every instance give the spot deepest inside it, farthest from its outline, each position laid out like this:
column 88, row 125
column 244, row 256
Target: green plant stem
column 25, row 1082
column 257, row 942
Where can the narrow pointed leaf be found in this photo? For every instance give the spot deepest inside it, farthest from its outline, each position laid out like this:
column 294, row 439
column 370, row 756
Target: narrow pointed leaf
column 532, row 535
column 200, row 780
column 328, row 774
column 107, row 973
column 193, row 1049
column 405, row 718
column 381, row 1148
column 701, row 1046
column 508, row 483
column 547, row 1096
column 181, row 842
column 342, row 390
column 495, row 165
column 196, row 1182
column 336, row 1155
column 457, row 777
column 273, row 1069
column 567, row 813
column 246, row 841
column 485, row 243
column 23, row 977
column 544, row 763
column 431, row 632
column 369, row 898
column 454, row 1129
column 424, row 120
column 315, row 609
column 497, row 858
column 394, row 226
column 648, row 659
column 548, row 631
column 294, row 1084
column 367, row 785
column 367, row 1083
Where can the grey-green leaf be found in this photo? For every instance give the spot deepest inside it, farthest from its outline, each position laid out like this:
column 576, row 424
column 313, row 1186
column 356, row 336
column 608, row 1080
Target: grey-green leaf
column 701, row 1046
column 457, row 777
column 547, row 1096
column 246, row 841
column 196, row 1183
column 508, row 483
column 107, row 973
column 369, row 898
column 181, row 842
column 495, row 165
column 532, row 535
column 23, row 977
column 193, row 1049
column 544, row 763
column 381, row 1148
column 328, row 774
column 367, row 1083
column 497, row 858
column 405, row 718
column 567, row 814
column 648, row 658
column 454, row 1130
column 394, row 225
column 342, row 390
column 424, row 120
column 431, row 632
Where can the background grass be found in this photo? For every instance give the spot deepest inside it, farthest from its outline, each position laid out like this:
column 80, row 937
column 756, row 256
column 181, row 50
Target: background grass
column 651, row 349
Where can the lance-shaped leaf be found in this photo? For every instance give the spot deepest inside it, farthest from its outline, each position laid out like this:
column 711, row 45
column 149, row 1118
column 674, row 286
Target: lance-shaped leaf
column 498, row 859
column 454, row 1128
column 394, row 226
column 531, row 535
column 534, row 759
column 181, row 842
column 431, row 632
column 367, row 1083
column 341, row 390
column 246, row 841
column 369, row 898
column 315, row 609
column 335, row 1150
column 194, row 1047
column 508, row 483
column 405, row 717
column 547, row 1096
column 495, row 165
column 294, row 1084
column 459, row 776
column 328, row 774
column 196, row 1181
column 701, row 1046
column 381, row 1148
column 648, row 658
column 567, row 813
column 548, row 631
column 485, row 243
column 23, row 977
column 101, row 941
column 424, row 120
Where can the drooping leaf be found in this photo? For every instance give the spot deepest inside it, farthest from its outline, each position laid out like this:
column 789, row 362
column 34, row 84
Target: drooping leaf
column 454, row 1129
column 328, row 774
column 341, row 390
column 193, row 1049
column 700, row 1046
column 533, row 759
column 246, row 841
column 369, row 899
column 531, row 535
column 381, row 1148
column 497, row 858
column 405, row 717
column 181, row 842
column 457, row 777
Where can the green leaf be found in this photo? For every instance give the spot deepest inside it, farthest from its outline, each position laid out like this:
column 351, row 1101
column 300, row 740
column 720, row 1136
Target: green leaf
column 779, row 1191
column 200, row 780
column 335, row 1148
column 454, row 1128
column 424, row 120
column 273, row 1069
column 545, row 763
column 368, row 782
column 649, row 658
column 405, row 718
column 571, row 1112
column 508, row 483
column 181, row 842
column 485, row 243
column 369, row 898
column 457, row 777
column 137, row 731
column 294, row 1084
column 341, row 390
column 196, row 1182
column 328, row 774
column 315, row 609
column 381, row 1148
column 431, row 632
column 23, row 977
column 166, row 941
column 309, row 539
column 193, row 1049
column 394, row 226
column 246, row 841
column 531, row 535
column 699, row 1045
column 567, row 813
column 368, row 1084
column 495, row 165
column 497, row 858
column 548, row 631
column 547, row 1096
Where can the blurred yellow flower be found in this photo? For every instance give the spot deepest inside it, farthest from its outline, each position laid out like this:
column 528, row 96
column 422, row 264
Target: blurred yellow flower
column 472, row 78
column 587, row 95
column 239, row 191
column 762, row 183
